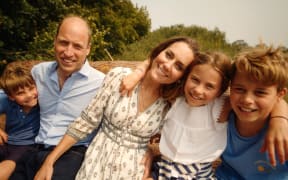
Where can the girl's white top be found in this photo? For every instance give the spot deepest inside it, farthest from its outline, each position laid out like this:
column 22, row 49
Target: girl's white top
column 192, row 134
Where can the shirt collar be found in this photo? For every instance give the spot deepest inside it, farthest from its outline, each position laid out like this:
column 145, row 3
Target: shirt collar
column 84, row 71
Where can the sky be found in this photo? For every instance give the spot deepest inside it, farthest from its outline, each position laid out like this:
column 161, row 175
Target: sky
column 248, row 20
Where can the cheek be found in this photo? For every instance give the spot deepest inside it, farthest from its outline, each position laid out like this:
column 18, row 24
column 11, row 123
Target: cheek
column 233, row 99
column 176, row 75
column 189, row 85
column 81, row 56
column 58, row 49
column 36, row 92
column 19, row 99
column 266, row 104
column 213, row 95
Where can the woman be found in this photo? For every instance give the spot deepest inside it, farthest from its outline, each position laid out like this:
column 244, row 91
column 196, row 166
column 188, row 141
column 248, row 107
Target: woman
column 127, row 122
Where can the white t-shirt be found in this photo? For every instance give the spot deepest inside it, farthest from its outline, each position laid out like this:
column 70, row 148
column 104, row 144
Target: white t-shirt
column 192, row 134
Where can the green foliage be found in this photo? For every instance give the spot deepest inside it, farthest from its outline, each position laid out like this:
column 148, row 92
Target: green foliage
column 208, row 40
column 28, row 26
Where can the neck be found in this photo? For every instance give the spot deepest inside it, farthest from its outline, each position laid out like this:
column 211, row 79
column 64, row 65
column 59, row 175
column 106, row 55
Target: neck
column 249, row 129
column 62, row 77
column 150, row 85
column 148, row 93
column 26, row 109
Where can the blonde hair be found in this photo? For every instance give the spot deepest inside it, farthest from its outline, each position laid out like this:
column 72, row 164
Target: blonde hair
column 264, row 64
column 15, row 77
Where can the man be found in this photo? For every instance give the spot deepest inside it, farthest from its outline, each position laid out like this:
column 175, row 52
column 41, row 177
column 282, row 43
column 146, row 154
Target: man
column 65, row 87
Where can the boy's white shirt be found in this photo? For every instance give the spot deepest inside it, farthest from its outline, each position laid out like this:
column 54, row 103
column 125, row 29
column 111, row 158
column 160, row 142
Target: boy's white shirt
column 192, row 134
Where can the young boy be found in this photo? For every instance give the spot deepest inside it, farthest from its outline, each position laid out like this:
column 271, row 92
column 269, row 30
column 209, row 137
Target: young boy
column 259, row 81
column 18, row 100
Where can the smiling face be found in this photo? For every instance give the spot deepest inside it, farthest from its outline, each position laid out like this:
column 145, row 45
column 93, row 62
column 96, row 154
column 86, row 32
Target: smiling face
column 71, row 45
column 252, row 100
column 202, row 85
column 26, row 97
column 170, row 64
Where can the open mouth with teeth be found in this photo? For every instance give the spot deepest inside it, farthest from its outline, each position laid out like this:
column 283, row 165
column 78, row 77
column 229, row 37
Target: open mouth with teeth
column 243, row 109
column 193, row 96
column 162, row 71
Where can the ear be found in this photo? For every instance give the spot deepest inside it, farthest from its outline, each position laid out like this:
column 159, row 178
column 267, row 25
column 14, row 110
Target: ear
column 88, row 49
column 54, row 41
column 282, row 93
column 11, row 97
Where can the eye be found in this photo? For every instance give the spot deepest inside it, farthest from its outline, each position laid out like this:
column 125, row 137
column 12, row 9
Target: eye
column 237, row 89
column 194, row 79
column 63, row 43
column 19, row 93
column 260, row 93
column 169, row 54
column 210, row 87
column 31, row 88
column 78, row 47
column 179, row 66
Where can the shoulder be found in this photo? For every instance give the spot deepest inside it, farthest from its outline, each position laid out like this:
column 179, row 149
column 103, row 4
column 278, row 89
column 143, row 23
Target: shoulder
column 119, row 71
column 5, row 102
column 3, row 96
column 44, row 64
column 115, row 75
column 91, row 72
column 43, row 67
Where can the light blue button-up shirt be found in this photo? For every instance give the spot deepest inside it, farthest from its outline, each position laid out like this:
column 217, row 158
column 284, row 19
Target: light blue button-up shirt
column 58, row 108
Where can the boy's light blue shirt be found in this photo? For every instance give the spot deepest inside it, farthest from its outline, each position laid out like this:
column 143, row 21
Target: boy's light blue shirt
column 59, row 108
column 242, row 158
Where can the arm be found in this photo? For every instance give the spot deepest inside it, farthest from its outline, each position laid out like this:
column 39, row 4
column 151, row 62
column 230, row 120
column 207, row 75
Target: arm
column 225, row 110
column 46, row 170
column 129, row 82
column 277, row 135
column 147, row 163
column 3, row 137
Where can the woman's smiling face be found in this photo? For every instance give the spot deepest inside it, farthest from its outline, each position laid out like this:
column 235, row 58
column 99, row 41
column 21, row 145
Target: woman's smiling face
column 171, row 63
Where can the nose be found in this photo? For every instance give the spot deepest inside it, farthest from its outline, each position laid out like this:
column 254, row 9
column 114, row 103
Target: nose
column 247, row 98
column 29, row 94
column 68, row 51
column 198, row 89
column 168, row 65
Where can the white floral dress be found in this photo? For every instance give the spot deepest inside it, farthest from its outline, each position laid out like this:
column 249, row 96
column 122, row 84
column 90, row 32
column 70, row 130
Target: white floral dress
column 117, row 149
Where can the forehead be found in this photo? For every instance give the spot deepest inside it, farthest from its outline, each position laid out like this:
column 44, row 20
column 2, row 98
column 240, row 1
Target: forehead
column 206, row 71
column 243, row 79
column 74, row 29
column 182, row 52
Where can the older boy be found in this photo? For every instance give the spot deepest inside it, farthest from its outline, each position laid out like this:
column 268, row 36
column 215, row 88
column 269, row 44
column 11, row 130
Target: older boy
column 259, row 81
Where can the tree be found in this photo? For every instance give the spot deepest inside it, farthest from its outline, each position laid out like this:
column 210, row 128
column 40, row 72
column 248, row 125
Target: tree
column 28, row 26
column 209, row 40
column 240, row 45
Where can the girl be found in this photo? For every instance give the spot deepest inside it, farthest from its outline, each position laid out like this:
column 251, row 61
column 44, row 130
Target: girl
column 192, row 136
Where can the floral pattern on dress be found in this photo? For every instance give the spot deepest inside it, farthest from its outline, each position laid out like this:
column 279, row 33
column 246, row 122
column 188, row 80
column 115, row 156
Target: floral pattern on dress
column 117, row 149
